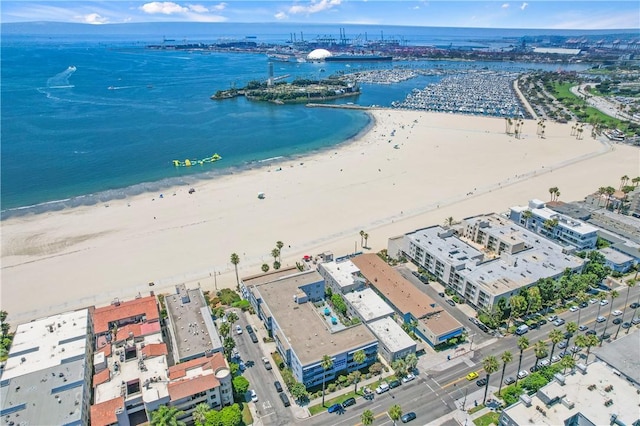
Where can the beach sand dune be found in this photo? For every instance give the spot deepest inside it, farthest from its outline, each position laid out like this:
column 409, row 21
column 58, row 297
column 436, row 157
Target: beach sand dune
column 410, row 170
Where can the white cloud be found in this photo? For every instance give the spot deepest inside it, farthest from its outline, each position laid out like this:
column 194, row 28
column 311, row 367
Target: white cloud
column 416, row 7
column 281, row 15
column 315, row 7
column 164, row 8
column 221, row 6
column 524, row 6
column 94, row 18
column 505, row 6
column 198, row 8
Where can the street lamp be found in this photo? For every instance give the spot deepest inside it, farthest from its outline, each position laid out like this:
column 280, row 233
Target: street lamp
column 471, row 345
column 464, row 401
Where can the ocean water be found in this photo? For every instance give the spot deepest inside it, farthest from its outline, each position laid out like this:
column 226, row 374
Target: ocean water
column 92, row 117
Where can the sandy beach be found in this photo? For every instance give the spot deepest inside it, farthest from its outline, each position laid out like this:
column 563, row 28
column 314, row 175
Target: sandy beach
column 410, row 170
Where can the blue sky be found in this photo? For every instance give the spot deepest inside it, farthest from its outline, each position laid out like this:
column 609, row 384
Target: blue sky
column 545, row 14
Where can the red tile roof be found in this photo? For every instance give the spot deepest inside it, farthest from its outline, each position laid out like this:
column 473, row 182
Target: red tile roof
column 104, row 414
column 207, row 363
column 101, row 377
column 106, row 314
column 191, row 386
column 155, row 349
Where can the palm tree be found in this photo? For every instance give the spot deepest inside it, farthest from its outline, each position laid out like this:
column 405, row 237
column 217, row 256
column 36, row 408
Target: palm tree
column 540, row 350
column 526, row 215
column 612, row 295
column 224, row 329
column 635, row 281
column 490, row 365
column 412, row 361
column 200, row 413
column 166, row 416
column 630, row 283
column 636, row 181
column 355, row 378
column 506, row 357
column 567, row 362
column 235, row 259
column 361, row 238
column 3, row 315
column 609, row 190
column 232, row 317
column 449, row 221
column 556, row 337
column 571, row 328
column 523, row 343
column 601, row 191
column 279, row 245
column 399, row 367
column 275, row 253
column 326, row 364
column 395, row 412
column 582, row 297
column 591, row 341
column 367, row 417
column 366, row 237
column 265, row 268
column 623, row 181
column 359, row 357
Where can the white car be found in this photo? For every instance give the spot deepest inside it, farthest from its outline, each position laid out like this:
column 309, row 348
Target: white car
column 238, row 329
column 552, row 318
column 604, row 302
column 573, row 308
column 601, row 319
column 523, row 374
column 616, row 313
column 254, row 395
column 544, row 362
column 382, row 388
column 409, row 377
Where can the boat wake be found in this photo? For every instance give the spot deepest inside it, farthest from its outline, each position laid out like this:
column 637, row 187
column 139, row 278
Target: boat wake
column 61, row 80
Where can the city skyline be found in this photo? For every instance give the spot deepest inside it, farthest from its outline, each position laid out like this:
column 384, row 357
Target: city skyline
column 473, row 14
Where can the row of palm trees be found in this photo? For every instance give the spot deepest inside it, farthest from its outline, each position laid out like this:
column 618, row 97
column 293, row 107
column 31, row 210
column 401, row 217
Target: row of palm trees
column 555, row 193
column 359, row 357
column 363, row 239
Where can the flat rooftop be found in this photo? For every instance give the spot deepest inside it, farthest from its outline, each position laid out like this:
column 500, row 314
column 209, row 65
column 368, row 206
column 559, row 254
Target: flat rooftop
column 441, row 324
column 576, row 394
column 395, row 288
column 144, row 307
column 391, row 335
column 342, row 272
column 50, row 396
column 48, row 342
column 303, row 325
column 622, row 354
column 191, row 323
column 368, row 304
column 615, row 256
column 565, row 221
column 446, row 245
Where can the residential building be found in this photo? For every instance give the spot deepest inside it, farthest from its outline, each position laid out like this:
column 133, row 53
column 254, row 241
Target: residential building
column 592, row 395
column 47, row 376
column 623, row 356
column 341, row 277
column 622, row 245
column 617, row 261
column 193, row 333
column 367, row 305
column 304, row 327
column 485, row 258
column 132, row 374
column 416, row 308
column 542, row 220
column 626, row 226
column 394, row 342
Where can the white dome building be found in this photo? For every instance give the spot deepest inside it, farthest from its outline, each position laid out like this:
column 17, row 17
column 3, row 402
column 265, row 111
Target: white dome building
column 318, row 55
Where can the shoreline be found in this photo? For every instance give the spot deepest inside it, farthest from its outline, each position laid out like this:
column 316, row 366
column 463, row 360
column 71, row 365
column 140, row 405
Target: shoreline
column 445, row 165
column 151, row 188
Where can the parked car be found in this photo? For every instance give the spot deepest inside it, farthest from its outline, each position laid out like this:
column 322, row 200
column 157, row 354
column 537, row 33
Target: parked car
column 574, row 308
column 601, row 319
column 635, row 321
column 472, row 376
column 562, row 344
column 394, row 384
column 509, row 380
column 348, row 402
column 481, row 382
column 558, row 322
column 409, row 377
column 238, row 329
column 335, row 408
column 542, row 322
column 523, row 374
column 382, row 388
column 626, row 324
column 634, row 305
column 604, row 302
column 555, row 359
column 278, row 386
column 534, row 368
column 544, row 362
column 583, row 305
column 441, row 294
column 617, row 321
column 583, row 328
column 591, row 333
column 406, row 418
column 451, row 302
column 552, row 318
column 593, row 301
column 284, row 399
column 254, row 395
column 266, row 362
column 616, row 313
column 249, row 329
column 254, row 338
